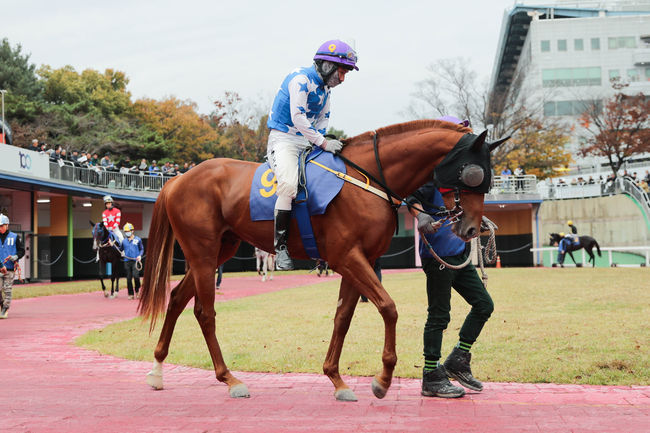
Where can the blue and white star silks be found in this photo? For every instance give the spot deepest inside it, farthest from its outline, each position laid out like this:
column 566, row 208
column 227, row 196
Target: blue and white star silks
column 302, row 106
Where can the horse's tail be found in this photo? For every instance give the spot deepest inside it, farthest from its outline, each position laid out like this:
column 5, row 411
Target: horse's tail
column 160, row 247
column 597, row 248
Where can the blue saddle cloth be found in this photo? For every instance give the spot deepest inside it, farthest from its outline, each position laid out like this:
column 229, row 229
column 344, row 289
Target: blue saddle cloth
column 322, row 186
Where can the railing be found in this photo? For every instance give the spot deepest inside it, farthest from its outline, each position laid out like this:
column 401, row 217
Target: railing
column 641, row 250
column 100, row 177
column 526, row 184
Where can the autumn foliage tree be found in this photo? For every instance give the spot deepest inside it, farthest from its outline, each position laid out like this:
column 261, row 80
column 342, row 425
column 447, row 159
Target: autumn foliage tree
column 619, row 130
column 178, row 130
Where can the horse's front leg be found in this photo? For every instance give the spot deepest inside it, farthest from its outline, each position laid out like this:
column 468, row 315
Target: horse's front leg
column 348, row 298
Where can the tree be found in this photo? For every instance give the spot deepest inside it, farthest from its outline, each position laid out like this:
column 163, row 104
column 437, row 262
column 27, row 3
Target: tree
column 537, row 149
column 17, row 75
column 452, row 89
column 178, row 130
column 243, row 130
column 89, row 92
column 619, row 130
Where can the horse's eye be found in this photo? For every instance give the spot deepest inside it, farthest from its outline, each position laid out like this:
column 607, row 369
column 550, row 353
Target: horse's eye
column 472, row 175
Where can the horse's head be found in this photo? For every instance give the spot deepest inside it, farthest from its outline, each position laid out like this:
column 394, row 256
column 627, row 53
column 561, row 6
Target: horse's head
column 100, row 234
column 464, row 176
column 554, row 238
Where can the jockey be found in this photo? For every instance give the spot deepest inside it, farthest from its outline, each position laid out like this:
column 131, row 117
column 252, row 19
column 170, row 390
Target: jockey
column 298, row 120
column 574, row 232
column 111, row 217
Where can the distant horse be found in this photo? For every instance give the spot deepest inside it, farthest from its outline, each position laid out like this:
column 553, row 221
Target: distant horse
column 207, row 211
column 108, row 253
column 586, row 242
column 264, row 263
column 322, row 267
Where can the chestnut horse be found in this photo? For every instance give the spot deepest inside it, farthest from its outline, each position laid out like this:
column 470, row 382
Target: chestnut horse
column 207, row 211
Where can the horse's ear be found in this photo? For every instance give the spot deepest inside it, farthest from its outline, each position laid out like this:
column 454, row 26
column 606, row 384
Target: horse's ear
column 478, row 142
column 496, row 144
column 92, row 224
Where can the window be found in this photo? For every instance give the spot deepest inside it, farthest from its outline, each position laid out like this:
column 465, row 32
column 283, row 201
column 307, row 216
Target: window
column 564, row 108
column 549, row 108
column 561, row 44
column 578, row 45
column 565, row 77
column 595, row 44
column 571, row 108
column 633, row 74
column 614, row 73
column 546, row 46
column 621, row 42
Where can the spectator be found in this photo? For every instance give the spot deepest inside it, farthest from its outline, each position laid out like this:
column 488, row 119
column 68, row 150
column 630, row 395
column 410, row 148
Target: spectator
column 519, row 173
column 505, row 174
column 143, row 165
column 63, row 155
column 11, row 250
column 106, row 162
column 192, row 165
column 154, row 170
column 591, row 180
column 34, row 146
column 95, row 160
column 574, row 182
column 186, row 167
column 44, row 148
column 647, row 177
column 165, row 168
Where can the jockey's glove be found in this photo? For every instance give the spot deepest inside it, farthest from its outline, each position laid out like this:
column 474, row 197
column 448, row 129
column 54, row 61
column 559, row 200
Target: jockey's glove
column 333, row 146
column 426, row 223
column 13, row 258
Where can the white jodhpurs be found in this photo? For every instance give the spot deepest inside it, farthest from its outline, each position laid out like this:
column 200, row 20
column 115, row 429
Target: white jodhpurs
column 283, row 151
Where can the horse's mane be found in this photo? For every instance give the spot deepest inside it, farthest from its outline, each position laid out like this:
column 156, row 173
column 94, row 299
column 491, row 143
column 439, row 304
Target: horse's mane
column 414, row 125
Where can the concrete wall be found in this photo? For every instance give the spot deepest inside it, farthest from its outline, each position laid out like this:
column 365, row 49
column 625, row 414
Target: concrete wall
column 613, row 221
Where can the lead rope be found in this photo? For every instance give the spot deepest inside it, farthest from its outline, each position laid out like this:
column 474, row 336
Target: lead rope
column 486, row 255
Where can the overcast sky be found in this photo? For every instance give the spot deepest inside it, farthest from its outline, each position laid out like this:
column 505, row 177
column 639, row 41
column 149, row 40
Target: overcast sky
column 199, row 49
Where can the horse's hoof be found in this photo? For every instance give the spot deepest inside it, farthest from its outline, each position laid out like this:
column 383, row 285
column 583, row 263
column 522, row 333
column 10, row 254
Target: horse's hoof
column 105, row 294
column 155, row 380
column 345, row 395
column 378, row 389
column 239, row 391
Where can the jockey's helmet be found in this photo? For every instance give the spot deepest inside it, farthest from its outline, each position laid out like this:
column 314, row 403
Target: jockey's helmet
column 4, row 219
column 569, row 223
column 338, row 52
column 128, row 227
column 108, row 199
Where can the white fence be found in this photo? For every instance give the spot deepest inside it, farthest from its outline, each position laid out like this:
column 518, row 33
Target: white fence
column 640, row 250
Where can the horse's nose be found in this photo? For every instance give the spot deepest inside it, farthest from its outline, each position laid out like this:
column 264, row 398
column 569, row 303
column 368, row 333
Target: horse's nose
column 471, row 232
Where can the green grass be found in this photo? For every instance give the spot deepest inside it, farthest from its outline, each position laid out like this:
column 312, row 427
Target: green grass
column 587, row 326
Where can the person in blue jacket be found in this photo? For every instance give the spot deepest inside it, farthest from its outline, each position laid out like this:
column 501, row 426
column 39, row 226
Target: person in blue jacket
column 440, row 280
column 11, row 250
column 132, row 252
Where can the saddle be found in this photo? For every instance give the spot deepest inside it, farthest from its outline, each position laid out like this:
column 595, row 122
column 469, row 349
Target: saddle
column 317, row 189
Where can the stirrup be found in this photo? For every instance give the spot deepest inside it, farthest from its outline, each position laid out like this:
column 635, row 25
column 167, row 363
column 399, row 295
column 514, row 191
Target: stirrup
column 283, row 261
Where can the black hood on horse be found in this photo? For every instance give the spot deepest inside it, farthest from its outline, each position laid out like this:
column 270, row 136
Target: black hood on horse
column 467, row 166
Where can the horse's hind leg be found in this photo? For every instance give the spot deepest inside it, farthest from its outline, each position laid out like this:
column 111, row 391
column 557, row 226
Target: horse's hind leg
column 179, row 298
column 359, row 277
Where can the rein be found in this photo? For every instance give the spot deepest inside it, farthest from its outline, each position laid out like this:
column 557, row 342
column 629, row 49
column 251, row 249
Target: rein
column 489, row 255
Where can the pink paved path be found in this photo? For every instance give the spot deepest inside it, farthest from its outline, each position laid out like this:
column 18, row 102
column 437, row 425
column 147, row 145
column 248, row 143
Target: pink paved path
column 49, row 385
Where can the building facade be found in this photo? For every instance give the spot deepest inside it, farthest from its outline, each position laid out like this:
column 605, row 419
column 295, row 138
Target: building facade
column 564, row 53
